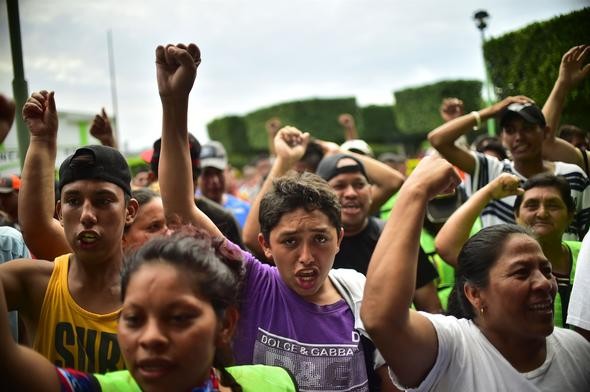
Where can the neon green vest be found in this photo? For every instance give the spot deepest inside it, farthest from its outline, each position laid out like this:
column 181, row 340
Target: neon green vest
column 574, row 247
column 252, row 378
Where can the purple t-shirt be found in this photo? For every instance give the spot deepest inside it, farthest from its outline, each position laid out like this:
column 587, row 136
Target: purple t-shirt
column 318, row 344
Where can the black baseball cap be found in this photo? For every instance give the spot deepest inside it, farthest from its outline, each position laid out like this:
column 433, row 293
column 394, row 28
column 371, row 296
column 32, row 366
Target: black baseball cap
column 328, row 167
column 96, row 163
column 528, row 111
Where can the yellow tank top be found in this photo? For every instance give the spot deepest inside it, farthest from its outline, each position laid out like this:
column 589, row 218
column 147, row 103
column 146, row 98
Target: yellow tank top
column 70, row 336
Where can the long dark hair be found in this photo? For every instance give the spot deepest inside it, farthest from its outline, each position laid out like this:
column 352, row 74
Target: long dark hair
column 215, row 278
column 477, row 257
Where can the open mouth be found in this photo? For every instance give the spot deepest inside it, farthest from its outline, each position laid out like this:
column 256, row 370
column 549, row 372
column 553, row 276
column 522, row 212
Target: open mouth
column 350, row 208
column 542, row 307
column 306, row 279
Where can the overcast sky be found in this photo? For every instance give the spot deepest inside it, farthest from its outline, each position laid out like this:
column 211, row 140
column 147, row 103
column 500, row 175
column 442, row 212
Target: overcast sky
column 255, row 53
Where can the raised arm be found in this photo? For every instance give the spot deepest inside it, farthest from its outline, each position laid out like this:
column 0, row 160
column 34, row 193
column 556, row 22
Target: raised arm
column 443, row 138
column 289, row 145
column 406, row 339
column 102, row 130
column 347, row 122
column 21, row 368
column 572, row 70
column 455, row 232
column 385, row 180
column 176, row 72
column 272, row 126
column 43, row 234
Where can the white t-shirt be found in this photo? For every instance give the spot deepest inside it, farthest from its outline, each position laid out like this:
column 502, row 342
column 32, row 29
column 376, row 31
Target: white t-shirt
column 467, row 361
column 502, row 211
column 578, row 313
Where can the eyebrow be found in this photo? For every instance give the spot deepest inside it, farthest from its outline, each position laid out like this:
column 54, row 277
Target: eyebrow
column 315, row 230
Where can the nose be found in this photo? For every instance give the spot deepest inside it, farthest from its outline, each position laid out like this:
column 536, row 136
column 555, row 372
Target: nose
column 152, row 338
column 542, row 211
column 306, row 254
column 88, row 217
column 349, row 191
column 544, row 283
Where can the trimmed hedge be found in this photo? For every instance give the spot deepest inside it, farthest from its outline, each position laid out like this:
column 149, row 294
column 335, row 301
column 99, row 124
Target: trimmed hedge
column 231, row 131
column 318, row 116
column 527, row 61
column 417, row 109
column 380, row 124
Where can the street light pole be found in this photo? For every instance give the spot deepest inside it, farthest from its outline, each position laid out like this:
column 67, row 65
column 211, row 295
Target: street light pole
column 19, row 83
column 480, row 18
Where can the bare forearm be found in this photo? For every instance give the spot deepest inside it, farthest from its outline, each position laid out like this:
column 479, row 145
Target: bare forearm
column 395, row 258
column 252, row 225
column 554, row 106
column 37, row 200
column 455, row 232
column 175, row 171
column 384, row 179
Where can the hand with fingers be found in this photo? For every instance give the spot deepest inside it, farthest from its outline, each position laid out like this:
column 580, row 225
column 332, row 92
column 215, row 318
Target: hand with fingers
column 40, row 115
column 102, row 130
column 290, row 144
column 505, row 185
column 346, row 120
column 498, row 107
column 176, row 69
column 451, row 108
column 273, row 125
column 434, row 175
column 575, row 66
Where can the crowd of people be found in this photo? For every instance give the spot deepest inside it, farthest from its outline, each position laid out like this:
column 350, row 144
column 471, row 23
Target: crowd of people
column 324, row 269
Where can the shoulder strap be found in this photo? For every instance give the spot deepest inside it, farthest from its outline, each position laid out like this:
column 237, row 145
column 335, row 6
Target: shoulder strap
column 585, row 157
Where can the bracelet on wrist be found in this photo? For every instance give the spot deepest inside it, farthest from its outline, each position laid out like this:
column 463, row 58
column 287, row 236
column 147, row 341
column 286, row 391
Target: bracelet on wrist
column 477, row 117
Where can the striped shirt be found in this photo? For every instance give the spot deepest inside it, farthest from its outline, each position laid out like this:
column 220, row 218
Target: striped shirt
column 502, row 211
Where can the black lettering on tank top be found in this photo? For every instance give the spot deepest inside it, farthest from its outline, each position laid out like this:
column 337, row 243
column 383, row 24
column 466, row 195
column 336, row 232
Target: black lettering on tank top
column 84, row 342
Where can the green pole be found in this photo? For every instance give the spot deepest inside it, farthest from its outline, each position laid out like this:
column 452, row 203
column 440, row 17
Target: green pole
column 19, row 84
column 488, row 88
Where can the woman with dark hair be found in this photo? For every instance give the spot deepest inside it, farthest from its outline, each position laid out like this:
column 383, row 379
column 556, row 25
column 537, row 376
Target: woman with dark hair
column 505, row 290
column 178, row 317
column 149, row 221
column 544, row 205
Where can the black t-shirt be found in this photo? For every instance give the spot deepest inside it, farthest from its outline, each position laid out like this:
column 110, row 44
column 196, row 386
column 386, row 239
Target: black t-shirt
column 222, row 218
column 356, row 251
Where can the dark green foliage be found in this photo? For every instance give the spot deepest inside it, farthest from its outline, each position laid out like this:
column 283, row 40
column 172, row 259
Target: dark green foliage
column 417, row 109
column 318, row 116
column 231, row 132
column 380, row 126
column 527, row 62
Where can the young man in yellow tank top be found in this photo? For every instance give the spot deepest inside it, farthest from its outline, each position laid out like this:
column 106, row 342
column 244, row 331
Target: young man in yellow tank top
column 70, row 306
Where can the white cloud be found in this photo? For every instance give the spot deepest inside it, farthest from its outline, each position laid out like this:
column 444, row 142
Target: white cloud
column 256, row 53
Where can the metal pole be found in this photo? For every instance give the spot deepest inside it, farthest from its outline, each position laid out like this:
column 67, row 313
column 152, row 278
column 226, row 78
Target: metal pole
column 19, row 84
column 115, row 123
column 488, row 88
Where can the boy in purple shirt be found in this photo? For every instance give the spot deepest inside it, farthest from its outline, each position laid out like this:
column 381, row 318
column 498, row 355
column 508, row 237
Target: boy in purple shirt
column 301, row 314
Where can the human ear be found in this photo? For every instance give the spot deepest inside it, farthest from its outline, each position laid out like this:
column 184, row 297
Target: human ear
column 265, row 246
column 58, row 211
column 473, row 295
column 340, row 237
column 227, row 327
column 131, row 211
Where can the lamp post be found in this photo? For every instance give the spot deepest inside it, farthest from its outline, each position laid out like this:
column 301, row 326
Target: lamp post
column 480, row 18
